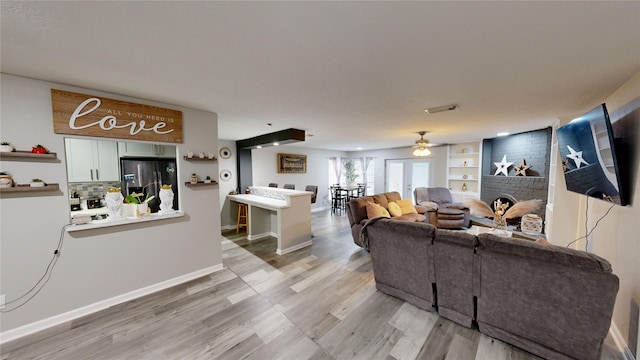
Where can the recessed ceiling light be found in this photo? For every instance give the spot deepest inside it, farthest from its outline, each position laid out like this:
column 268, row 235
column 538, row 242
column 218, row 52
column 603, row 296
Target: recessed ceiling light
column 275, row 144
column 358, row 148
column 259, row 147
column 503, row 133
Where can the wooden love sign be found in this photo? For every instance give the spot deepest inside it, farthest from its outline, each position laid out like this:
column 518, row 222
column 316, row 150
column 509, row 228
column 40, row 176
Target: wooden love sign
column 80, row 114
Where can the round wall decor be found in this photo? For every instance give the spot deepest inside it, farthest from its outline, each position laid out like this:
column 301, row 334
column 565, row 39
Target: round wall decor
column 225, row 174
column 225, row 152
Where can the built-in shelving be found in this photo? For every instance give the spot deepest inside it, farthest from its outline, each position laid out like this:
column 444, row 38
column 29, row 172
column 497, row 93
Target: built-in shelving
column 22, row 155
column 463, row 170
column 28, row 188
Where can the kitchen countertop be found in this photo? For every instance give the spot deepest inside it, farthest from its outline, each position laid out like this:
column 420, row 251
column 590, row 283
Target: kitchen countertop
column 97, row 211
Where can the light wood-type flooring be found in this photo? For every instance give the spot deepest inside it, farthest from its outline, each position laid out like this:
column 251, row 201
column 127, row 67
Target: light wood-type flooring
column 316, row 303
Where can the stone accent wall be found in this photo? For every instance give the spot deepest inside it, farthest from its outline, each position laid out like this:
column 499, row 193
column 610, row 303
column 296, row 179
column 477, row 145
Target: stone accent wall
column 534, row 147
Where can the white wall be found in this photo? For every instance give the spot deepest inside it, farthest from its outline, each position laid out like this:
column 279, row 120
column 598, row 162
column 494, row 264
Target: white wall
column 95, row 265
column 227, row 214
column 616, row 237
column 265, row 161
column 438, row 166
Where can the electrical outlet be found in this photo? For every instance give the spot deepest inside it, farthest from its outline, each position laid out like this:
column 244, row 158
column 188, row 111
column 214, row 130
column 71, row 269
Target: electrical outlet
column 1, row 302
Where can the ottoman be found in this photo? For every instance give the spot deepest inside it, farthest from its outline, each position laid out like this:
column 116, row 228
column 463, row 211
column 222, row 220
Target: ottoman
column 449, row 218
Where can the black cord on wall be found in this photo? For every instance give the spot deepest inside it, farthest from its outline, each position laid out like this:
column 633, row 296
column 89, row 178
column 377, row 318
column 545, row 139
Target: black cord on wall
column 43, row 280
column 586, row 229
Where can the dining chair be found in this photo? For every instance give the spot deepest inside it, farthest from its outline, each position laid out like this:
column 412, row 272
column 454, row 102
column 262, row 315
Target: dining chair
column 275, row 185
column 338, row 199
column 314, row 190
column 290, row 186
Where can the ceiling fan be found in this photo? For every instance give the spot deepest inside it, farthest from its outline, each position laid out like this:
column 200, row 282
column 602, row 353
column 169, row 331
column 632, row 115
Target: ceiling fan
column 421, row 146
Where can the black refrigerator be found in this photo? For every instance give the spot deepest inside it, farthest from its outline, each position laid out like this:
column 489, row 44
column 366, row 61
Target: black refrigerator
column 147, row 175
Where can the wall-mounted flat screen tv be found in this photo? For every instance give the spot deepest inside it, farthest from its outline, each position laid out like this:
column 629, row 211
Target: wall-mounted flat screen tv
column 587, row 148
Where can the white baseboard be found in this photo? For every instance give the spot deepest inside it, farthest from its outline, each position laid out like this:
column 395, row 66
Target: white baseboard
column 228, row 227
column 293, row 248
column 56, row 320
column 262, row 235
column 621, row 344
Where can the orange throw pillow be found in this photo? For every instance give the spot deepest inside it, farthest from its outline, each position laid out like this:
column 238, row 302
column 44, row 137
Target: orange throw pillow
column 374, row 210
column 406, row 206
column 394, row 209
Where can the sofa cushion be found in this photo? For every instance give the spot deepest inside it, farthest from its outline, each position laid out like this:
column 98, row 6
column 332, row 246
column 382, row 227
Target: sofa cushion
column 357, row 208
column 402, row 259
column 550, row 254
column 392, row 196
column 456, row 206
column 394, row 209
column 375, row 210
column 415, row 217
column 406, row 206
column 439, row 195
column 381, row 199
column 553, row 301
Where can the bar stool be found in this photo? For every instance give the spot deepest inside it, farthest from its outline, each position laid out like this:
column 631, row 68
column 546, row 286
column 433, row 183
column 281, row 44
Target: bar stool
column 243, row 211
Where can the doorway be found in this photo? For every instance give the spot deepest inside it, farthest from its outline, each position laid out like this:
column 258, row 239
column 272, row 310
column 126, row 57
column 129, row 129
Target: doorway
column 404, row 175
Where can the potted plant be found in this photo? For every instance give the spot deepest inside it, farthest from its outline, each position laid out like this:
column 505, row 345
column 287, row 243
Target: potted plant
column 141, row 205
column 39, row 149
column 6, row 146
column 37, row 183
column 207, row 180
column 194, row 178
column 350, row 172
column 6, row 181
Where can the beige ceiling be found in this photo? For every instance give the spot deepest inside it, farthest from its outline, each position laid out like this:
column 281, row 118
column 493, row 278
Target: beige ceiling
column 352, row 74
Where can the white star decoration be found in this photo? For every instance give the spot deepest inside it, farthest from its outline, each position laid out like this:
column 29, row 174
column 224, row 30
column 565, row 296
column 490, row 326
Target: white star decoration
column 576, row 156
column 503, row 166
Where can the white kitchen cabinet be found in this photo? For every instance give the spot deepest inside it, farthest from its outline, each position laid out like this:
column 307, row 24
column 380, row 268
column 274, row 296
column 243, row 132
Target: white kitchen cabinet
column 92, row 160
column 136, row 149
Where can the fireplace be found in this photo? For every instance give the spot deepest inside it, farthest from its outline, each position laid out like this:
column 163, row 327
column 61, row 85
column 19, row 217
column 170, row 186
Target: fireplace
column 533, row 147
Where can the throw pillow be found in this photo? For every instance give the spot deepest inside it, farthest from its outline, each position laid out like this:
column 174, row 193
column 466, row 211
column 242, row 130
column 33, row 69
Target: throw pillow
column 394, row 209
column 375, row 210
column 406, row 206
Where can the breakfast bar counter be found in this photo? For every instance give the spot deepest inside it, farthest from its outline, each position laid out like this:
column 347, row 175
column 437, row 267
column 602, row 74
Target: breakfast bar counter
column 281, row 213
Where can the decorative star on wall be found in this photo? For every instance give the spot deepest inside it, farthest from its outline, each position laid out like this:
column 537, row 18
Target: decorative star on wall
column 576, row 156
column 522, row 168
column 503, row 166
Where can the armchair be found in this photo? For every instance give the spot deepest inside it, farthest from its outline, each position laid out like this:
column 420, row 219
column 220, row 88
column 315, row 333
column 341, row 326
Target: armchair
column 449, row 215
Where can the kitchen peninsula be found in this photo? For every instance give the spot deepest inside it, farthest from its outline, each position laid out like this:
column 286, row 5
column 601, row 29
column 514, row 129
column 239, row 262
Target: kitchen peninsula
column 281, row 213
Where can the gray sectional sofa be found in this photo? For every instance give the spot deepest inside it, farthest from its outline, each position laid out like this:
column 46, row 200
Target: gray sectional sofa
column 357, row 212
column 552, row 301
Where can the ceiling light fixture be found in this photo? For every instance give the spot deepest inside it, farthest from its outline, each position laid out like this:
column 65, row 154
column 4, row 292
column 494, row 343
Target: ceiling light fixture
column 421, row 146
column 502, row 134
column 438, row 109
